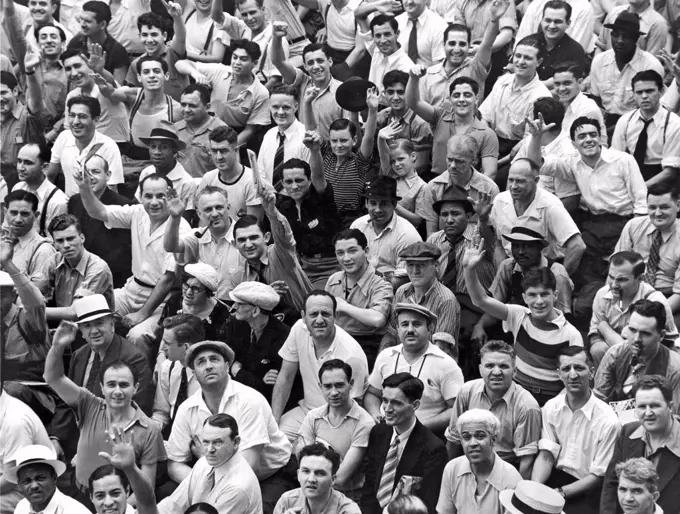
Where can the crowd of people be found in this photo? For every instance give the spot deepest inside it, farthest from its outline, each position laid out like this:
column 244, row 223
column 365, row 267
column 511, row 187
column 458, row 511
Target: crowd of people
column 340, row 256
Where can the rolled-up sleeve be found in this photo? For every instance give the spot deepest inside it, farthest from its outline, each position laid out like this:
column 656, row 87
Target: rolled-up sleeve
column 548, row 440
column 608, row 434
column 527, row 432
column 120, row 216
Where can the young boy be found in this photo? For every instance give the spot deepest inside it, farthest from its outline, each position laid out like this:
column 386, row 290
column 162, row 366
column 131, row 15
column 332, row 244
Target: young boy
column 540, row 331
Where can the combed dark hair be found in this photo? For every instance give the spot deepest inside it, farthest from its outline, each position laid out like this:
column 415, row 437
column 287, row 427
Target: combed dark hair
column 107, row 470
column 580, row 122
column 62, row 222
column 411, row 386
column 73, row 52
column 153, row 20
column 321, row 450
column 336, row 364
column 542, row 277
column 101, row 10
column 534, row 42
column 558, row 4
column 651, row 309
column 201, row 507
column 630, row 257
column 259, row 3
column 223, row 133
column 552, row 111
column 21, row 195
column 649, row 382
column 223, row 420
column 663, row 188
column 119, row 365
column 204, row 91
column 295, row 164
column 285, row 89
column 570, row 67
column 464, row 80
column 342, row 124
column 91, row 103
column 151, row 58
column 321, row 292
column 382, row 19
column 314, row 47
column 44, row 151
column 8, row 79
column 352, row 233
column 496, row 346
column 573, row 351
column 647, row 76
column 248, row 221
column 395, row 77
column 62, row 34
column 457, row 27
column 639, row 470
column 154, row 176
column 251, row 48
column 187, row 327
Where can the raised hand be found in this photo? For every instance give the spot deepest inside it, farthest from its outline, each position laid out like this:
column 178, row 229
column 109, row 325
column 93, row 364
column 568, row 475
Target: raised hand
column 176, row 205
column 173, row 8
column 7, row 247
column 373, row 98
column 123, row 452
column 474, row 255
column 280, row 287
column 200, row 78
column 482, row 205
column 97, row 59
column 390, row 131
column 311, row 93
column 386, row 6
column 99, row 80
column 280, row 29
column 65, row 335
column 81, row 178
column 498, row 8
column 417, row 71
column 268, row 197
column 671, row 62
column 312, row 140
column 31, row 61
column 537, row 127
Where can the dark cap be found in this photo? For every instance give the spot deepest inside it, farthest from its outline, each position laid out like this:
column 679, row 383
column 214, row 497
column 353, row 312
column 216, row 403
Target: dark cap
column 351, row 94
column 420, row 251
column 220, row 347
column 382, row 187
column 414, row 307
column 164, row 132
column 626, row 21
column 455, row 194
column 521, row 234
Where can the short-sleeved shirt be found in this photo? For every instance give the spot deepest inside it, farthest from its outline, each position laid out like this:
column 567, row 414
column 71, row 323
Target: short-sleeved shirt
column 250, row 107
column 439, row 373
column 537, row 349
column 338, row 503
column 115, row 57
column 325, row 108
column 176, row 82
column 582, row 441
column 444, row 126
column 341, row 25
column 434, row 86
column 66, row 153
column 517, row 410
column 182, row 182
column 241, row 192
column 546, row 215
column 612, row 85
column 637, row 236
column 93, row 422
column 91, row 273
column 255, row 423
column 384, row 248
column 196, row 157
column 507, row 106
column 114, row 119
column 31, row 254
column 370, row 292
column 299, row 348
column 459, row 492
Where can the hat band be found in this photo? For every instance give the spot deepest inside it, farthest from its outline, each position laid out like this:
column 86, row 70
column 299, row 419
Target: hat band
column 159, row 132
column 93, row 313
column 526, row 509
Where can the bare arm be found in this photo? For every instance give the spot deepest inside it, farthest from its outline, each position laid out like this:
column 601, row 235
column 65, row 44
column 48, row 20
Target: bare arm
column 475, row 289
column 179, row 40
column 372, row 402
column 668, row 174
column 369, row 317
column 178, row 471
column 440, row 421
column 349, row 466
column 368, row 139
column 34, row 98
column 246, row 134
column 54, row 364
column 172, row 243
column 413, row 100
column 611, row 336
column 573, row 250
column 585, row 485
column 159, row 293
column 287, row 71
column 543, row 466
column 526, row 465
column 252, row 455
column 489, row 40
column 282, row 388
column 312, row 140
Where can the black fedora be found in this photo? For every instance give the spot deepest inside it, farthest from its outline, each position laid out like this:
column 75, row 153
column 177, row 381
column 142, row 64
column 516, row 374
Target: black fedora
column 455, row 194
column 627, row 22
column 164, row 132
column 382, row 187
column 351, row 94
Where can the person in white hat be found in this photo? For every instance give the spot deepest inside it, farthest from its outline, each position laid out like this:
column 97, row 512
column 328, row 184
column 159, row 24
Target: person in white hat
column 256, row 336
column 530, row 497
column 36, row 471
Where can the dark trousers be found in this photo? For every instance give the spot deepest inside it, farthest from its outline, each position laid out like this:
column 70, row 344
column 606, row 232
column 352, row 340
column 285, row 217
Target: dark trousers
column 588, row 503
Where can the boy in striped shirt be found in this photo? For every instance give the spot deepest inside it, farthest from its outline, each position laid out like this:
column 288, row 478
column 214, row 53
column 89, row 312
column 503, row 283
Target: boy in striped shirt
column 540, row 330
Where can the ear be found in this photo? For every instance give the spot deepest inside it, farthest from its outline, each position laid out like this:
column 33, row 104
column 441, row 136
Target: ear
column 416, row 405
column 351, row 383
column 267, row 237
column 524, row 297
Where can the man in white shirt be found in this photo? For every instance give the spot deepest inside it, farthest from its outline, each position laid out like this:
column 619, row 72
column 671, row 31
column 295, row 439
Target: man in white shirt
column 581, row 28
column 314, row 339
column 421, row 33
column 578, row 436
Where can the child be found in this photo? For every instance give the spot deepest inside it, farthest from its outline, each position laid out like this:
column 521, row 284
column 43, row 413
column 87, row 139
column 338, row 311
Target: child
column 540, row 331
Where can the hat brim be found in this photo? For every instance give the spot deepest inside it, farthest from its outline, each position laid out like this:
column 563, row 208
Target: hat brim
column 437, row 206
column 505, row 497
column 613, row 26
column 181, row 145
column 223, row 349
column 433, row 319
column 93, row 316
column 519, row 238
column 12, row 474
column 382, row 197
column 351, row 94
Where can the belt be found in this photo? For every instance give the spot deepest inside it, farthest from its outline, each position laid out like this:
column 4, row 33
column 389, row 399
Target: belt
column 143, row 284
column 297, row 39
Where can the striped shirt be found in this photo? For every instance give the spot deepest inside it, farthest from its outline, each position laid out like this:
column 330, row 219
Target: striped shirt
column 537, row 349
column 347, row 179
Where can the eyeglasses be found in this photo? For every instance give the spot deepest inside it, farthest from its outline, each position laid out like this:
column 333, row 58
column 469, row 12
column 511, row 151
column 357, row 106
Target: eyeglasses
column 194, row 289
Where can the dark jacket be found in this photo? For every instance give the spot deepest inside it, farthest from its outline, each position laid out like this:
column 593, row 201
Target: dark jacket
column 424, row 456
column 668, row 470
column 120, row 350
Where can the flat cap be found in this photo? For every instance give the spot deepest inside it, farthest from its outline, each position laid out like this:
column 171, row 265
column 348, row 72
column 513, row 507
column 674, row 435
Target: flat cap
column 204, row 273
column 218, row 346
column 420, row 251
column 414, row 307
column 257, row 294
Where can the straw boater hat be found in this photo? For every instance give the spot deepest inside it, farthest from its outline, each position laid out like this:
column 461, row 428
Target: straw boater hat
column 33, row 454
column 532, row 498
column 91, row 307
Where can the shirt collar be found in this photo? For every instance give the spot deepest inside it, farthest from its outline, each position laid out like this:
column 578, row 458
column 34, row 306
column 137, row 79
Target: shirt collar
column 405, row 434
column 391, row 59
column 354, row 411
column 292, row 130
column 665, row 234
column 225, row 469
column 206, row 127
column 507, row 397
column 364, row 280
column 587, row 408
column 391, row 226
column 672, row 443
column 410, row 181
column 196, row 399
column 81, row 267
column 54, row 504
column 177, row 172
column 421, row 18
column 495, row 478
column 526, row 86
column 228, row 235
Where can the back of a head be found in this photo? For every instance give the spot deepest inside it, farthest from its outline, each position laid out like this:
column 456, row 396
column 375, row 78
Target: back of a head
column 407, row 504
column 186, row 327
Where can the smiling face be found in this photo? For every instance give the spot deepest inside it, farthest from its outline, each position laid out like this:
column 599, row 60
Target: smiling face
column 342, row 142
column 151, row 76
column 20, row 217
column 575, row 373
column 224, row 154
column 89, row 26
column 296, row 183
column 653, row 411
column 98, row 333
column 540, row 301
column 213, row 211
column 108, row 495
column 218, row 444
column 336, row 388
column 456, row 47
column 477, row 442
column 647, row 95
column 70, row 243
column 242, row 63
column 567, row 86
column 283, row 109
column 663, row 210
column 8, row 99
column 42, row 11
column 49, row 41
column 464, row 100
column 194, row 111
column 77, row 71
column 210, row 368
column 153, row 39
column 385, row 38
column 413, row 330
column 351, row 256
column 99, row 174
column 318, row 66
column 497, row 370
column 526, row 61
column 554, row 24
column 118, row 387
column 527, row 253
column 316, row 477
column 251, row 242
column 587, row 142
column 319, row 317
column 522, row 181
column 82, row 123
column 38, row 483
column 396, row 97
column 635, row 497
column 29, row 166
column 154, row 199
column 398, row 409
column 252, row 15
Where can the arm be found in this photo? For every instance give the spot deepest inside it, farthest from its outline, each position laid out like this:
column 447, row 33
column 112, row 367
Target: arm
column 492, row 40
column 368, row 139
column 246, row 134
column 252, row 455
column 186, row 67
column 94, row 207
column 349, row 466
column 440, row 421
column 475, row 289
column 214, row 54
column 178, row 471
column 14, row 30
column 159, row 293
column 668, row 174
column 288, row 73
column 179, row 40
column 543, row 466
column 282, row 387
column 34, row 98
column 29, row 294
column 573, row 250
column 526, row 464
column 372, row 402
column 583, row 486
column 54, row 364
column 413, row 100
column 369, row 317
column 611, row 336
column 172, row 242
column 308, row 118
column 161, row 403
column 312, row 140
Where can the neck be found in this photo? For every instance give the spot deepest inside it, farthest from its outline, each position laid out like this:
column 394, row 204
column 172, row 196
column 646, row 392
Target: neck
column 197, row 308
column 463, row 119
column 342, row 410
column 323, row 83
column 122, row 415
column 464, row 180
column 523, row 81
column 394, row 49
column 399, row 113
column 523, row 203
column 649, row 352
column 639, row 9
column 50, row 59
column 454, row 238
column 403, row 427
column 154, row 96
column 218, row 233
column 379, row 227
column 73, row 262
column 34, row 184
column 198, row 123
column 649, row 113
column 450, row 66
column 39, row 507
column 215, row 392
column 359, row 273
column 283, row 128
column 552, row 43
column 40, row 24
column 318, row 505
column 421, row 290
column 414, row 355
column 87, row 87
column 100, row 37
column 592, row 161
column 623, row 59
column 84, row 141
column 494, row 395
column 99, row 193
column 662, row 434
column 324, row 343
column 575, row 401
column 549, row 136
column 243, row 78
column 483, row 468
column 568, row 102
column 165, row 169
column 258, row 323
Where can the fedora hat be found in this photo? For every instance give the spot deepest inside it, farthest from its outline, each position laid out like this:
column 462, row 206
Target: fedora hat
column 455, row 194
column 165, row 132
column 351, row 94
column 33, row 454
column 627, row 22
column 532, row 498
column 91, row 307
column 382, row 187
column 521, row 234
column 220, row 347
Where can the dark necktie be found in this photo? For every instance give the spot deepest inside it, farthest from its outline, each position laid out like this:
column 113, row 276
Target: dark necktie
column 182, row 392
column 653, row 260
column 94, row 373
column 253, row 338
column 413, row 42
column 277, row 175
column 451, row 272
column 641, row 146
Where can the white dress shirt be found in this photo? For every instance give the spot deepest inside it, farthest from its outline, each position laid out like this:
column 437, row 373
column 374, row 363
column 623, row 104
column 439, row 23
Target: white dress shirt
column 292, row 148
column 430, row 28
column 59, row 504
column 381, row 64
column 581, row 28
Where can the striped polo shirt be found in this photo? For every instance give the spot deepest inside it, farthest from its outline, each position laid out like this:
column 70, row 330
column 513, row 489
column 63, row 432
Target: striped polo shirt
column 537, row 349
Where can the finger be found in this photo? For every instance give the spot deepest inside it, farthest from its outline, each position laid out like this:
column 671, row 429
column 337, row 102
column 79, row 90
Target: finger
column 106, row 456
